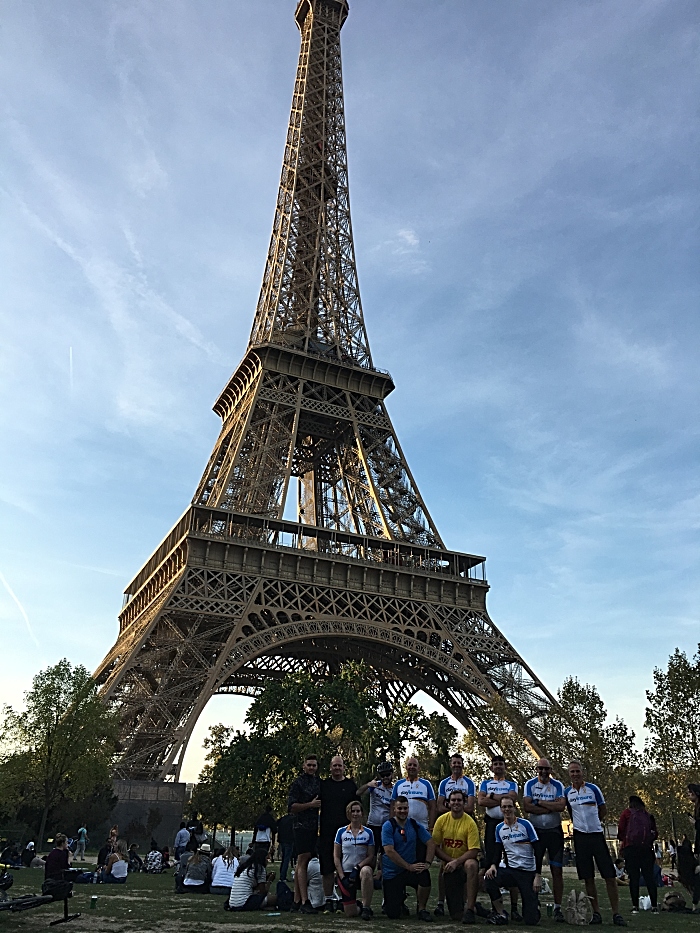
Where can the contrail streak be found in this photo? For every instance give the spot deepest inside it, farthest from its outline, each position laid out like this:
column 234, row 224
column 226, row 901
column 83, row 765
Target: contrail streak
column 20, row 607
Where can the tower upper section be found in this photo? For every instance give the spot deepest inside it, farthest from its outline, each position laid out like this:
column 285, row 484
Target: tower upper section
column 310, row 298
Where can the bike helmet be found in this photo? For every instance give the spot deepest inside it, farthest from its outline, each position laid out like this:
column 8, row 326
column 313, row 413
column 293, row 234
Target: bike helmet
column 385, row 767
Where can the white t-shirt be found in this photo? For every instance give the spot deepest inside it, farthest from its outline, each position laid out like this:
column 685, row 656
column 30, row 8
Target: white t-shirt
column 492, row 786
column 119, row 869
column 418, row 793
column 222, row 873
column 245, row 884
column 379, row 805
column 552, row 790
column 517, row 843
column 314, row 880
column 354, row 847
column 449, row 784
column 583, row 804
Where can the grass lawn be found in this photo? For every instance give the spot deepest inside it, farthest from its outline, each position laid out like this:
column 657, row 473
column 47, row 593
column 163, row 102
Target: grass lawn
column 148, row 903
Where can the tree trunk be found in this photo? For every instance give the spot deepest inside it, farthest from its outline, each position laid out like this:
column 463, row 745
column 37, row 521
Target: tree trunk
column 42, row 829
column 213, row 838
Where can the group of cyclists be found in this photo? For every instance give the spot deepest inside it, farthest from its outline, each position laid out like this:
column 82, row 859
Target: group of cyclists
column 408, row 826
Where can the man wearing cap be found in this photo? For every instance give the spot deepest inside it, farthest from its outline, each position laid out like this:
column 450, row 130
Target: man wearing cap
column 379, row 806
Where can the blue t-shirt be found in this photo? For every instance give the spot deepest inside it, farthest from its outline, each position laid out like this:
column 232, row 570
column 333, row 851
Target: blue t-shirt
column 449, row 784
column 404, row 841
column 418, row 792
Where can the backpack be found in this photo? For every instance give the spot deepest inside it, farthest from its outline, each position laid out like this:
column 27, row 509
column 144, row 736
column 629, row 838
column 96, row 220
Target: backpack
column 639, row 829
column 395, row 826
column 285, row 897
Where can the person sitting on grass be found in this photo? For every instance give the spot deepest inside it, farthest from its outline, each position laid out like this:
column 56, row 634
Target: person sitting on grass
column 117, row 866
column 135, row 860
column 154, row 862
column 223, row 868
column 620, row 874
column 251, row 884
column 353, row 855
column 197, row 877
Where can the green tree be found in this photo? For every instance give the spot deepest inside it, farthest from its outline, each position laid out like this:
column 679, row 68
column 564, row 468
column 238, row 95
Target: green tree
column 673, row 747
column 437, row 743
column 61, row 746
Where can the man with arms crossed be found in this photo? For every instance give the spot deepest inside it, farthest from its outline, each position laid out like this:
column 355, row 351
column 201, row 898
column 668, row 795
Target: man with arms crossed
column 400, row 838
column 304, row 801
column 458, row 847
column 353, row 853
column 419, row 793
column 586, row 805
column 456, row 779
column 513, row 843
column 543, row 801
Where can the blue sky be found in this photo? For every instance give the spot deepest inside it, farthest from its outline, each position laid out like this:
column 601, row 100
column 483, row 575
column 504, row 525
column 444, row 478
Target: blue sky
column 524, row 184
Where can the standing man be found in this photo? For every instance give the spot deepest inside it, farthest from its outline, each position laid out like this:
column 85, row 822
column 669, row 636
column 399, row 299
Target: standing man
column 379, row 806
column 285, row 837
column 337, row 791
column 182, row 840
column 458, row 847
column 420, row 795
column 401, row 836
column 456, row 779
column 586, row 805
column 513, row 843
column 304, row 802
column 544, row 803
column 491, row 793
column 81, row 843
column 353, row 854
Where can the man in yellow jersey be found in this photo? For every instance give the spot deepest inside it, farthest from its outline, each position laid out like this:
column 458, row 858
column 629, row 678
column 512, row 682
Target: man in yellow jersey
column 457, row 843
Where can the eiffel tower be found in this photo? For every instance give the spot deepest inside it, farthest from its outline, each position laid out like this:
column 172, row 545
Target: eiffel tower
column 236, row 594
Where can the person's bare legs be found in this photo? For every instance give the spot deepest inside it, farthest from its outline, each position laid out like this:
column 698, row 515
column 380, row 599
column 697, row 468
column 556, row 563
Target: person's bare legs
column 301, row 889
column 422, row 895
column 613, row 894
column 592, row 892
column 328, row 884
column 366, row 885
column 557, row 883
column 471, row 886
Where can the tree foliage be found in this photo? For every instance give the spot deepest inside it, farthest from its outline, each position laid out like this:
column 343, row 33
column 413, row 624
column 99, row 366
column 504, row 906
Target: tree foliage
column 59, row 748
column 299, row 714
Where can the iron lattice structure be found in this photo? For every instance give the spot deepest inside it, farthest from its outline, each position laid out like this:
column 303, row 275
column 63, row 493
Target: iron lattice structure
column 236, row 594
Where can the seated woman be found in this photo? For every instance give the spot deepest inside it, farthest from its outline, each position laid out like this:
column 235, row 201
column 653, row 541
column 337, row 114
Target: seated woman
column 223, row 869
column 117, row 865
column 251, row 884
column 197, row 873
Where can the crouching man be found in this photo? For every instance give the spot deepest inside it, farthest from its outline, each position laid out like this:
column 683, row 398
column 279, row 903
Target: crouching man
column 458, row 846
column 514, row 844
column 408, row 854
column 353, row 854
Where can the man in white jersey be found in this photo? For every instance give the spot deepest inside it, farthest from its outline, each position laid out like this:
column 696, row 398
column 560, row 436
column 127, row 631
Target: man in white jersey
column 456, row 780
column 491, row 793
column 543, row 802
column 514, row 839
column 420, row 794
column 379, row 806
column 586, row 805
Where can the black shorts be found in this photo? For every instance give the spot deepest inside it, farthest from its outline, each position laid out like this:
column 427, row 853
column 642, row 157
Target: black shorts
column 377, row 831
column 305, row 840
column 325, row 854
column 590, row 848
column 490, row 825
column 550, row 841
column 395, row 890
column 348, row 889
